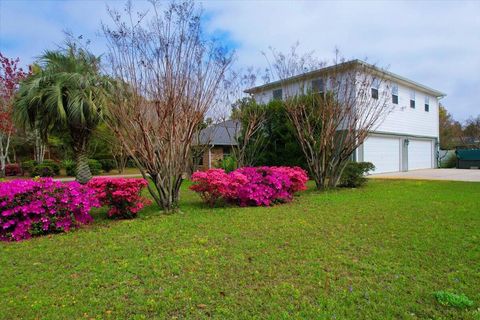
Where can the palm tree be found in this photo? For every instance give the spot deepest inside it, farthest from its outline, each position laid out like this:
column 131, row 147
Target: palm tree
column 68, row 93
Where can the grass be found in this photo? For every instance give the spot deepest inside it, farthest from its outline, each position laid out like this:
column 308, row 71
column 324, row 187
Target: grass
column 379, row 252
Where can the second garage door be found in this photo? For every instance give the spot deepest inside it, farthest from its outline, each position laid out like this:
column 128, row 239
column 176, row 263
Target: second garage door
column 383, row 152
column 419, row 154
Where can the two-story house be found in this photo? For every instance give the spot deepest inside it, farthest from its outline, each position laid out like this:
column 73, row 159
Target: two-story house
column 406, row 139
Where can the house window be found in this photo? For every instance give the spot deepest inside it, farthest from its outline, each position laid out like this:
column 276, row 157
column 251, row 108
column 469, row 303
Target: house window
column 375, row 86
column 412, row 99
column 277, row 94
column 317, row 86
column 226, row 151
column 427, row 103
column 394, row 93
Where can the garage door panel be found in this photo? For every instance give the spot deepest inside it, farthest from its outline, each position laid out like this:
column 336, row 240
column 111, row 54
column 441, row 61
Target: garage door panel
column 419, row 154
column 383, row 152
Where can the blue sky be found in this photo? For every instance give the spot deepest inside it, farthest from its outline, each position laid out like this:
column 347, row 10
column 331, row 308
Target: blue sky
column 434, row 43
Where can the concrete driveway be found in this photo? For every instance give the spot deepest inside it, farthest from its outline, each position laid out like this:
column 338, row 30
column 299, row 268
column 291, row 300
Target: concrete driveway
column 433, row 174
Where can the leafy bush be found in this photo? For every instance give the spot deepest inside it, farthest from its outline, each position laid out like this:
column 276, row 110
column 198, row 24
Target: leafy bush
column 28, row 165
column 249, row 186
column 42, row 170
column 34, row 207
column 107, row 165
column 52, row 164
column 95, row 166
column 450, row 162
column 228, row 164
column 123, row 196
column 69, row 166
column 453, row 300
column 12, row 169
column 353, row 175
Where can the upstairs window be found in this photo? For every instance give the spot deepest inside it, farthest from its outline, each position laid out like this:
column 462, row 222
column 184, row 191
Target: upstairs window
column 394, row 93
column 412, row 99
column 318, row 86
column 427, row 103
column 375, row 86
column 277, row 94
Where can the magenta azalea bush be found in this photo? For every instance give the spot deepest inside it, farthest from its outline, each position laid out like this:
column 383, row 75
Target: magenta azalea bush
column 123, row 196
column 41, row 206
column 249, row 186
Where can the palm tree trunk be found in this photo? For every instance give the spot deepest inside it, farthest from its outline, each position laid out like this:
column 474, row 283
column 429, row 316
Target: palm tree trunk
column 83, row 174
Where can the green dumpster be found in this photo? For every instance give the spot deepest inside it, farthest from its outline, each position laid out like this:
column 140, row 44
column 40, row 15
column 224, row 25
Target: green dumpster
column 468, row 158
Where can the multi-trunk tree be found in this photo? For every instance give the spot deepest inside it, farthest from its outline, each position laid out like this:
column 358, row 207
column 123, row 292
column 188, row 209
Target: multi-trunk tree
column 333, row 111
column 168, row 76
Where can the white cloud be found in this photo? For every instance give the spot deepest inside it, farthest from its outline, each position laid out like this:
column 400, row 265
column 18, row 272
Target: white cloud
column 435, row 43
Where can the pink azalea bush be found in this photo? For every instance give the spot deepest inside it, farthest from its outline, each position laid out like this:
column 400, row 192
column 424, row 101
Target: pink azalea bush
column 41, row 206
column 123, row 196
column 249, row 186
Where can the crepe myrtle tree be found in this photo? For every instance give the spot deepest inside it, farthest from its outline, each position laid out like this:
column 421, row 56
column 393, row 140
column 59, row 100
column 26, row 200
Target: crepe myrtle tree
column 168, row 76
column 10, row 76
column 333, row 112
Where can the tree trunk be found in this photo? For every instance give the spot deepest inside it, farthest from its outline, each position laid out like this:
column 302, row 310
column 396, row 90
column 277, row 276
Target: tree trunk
column 3, row 152
column 39, row 153
column 83, row 174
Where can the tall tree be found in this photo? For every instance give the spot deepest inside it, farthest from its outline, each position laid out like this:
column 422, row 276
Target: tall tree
column 471, row 132
column 169, row 74
column 69, row 93
column 333, row 115
column 450, row 130
column 10, row 76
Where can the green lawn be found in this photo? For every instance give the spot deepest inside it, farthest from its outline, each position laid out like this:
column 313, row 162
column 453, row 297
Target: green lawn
column 378, row 252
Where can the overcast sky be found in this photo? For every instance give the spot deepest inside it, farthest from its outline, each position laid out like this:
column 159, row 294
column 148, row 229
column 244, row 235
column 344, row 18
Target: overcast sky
column 434, row 43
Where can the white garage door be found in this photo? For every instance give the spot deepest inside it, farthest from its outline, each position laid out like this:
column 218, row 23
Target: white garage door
column 419, row 154
column 383, row 152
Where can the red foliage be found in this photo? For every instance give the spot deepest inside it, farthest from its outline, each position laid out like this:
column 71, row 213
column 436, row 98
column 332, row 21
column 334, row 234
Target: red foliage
column 12, row 169
column 10, row 76
column 123, row 196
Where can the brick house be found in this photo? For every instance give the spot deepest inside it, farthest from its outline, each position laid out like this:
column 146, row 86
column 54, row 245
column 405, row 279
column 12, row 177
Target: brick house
column 217, row 141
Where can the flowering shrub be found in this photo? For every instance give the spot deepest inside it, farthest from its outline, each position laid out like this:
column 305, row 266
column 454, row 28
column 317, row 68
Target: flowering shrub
column 122, row 195
column 34, row 207
column 249, row 186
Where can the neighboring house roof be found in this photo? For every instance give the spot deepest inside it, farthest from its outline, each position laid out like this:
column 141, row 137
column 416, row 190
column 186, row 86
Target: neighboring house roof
column 221, row 134
column 352, row 63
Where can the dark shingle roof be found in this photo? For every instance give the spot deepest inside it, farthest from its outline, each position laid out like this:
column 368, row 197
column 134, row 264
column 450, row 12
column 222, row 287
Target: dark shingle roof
column 221, row 134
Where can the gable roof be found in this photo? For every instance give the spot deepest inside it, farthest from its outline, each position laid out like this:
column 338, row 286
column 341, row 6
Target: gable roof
column 221, row 134
column 348, row 64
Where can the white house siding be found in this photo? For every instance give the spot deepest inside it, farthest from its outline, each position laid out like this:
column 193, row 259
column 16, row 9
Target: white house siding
column 408, row 121
column 406, row 139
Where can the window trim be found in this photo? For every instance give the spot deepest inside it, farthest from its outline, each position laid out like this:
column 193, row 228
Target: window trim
column 427, row 104
column 395, row 93
column 321, row 86
column 276, row 91
column 412, row 99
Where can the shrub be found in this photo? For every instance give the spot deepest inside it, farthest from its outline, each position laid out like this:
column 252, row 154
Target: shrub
column 228, row 164
column 53, row 165
column 41, row 206
column 123, row 196
column 95, row 166
column 249, row 186
column 107, row 164
column 69, row 166
column 353, row 175
column 12, row 169
column 450, row 162
column 28, row 165
column 453, row 300
column 42, row 170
